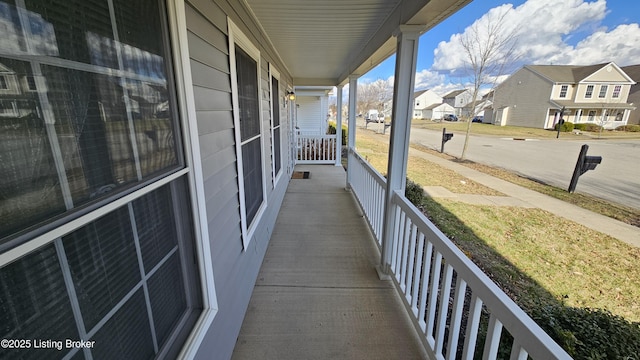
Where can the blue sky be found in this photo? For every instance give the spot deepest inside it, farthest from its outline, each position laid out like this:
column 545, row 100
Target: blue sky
column 553, row 32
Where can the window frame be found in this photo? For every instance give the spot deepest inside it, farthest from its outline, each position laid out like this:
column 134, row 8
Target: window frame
column 588, row 94
column 189, row 168
column 564, row 89
column 275, row 74
column 603, row 91
column 617, row 89
column 238, row 38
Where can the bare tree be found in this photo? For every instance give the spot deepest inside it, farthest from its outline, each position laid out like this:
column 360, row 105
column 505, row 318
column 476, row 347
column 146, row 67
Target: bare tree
column 489, row 49
column 373, row 95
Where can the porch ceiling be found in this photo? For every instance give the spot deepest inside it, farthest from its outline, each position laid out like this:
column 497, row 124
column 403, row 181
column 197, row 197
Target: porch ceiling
column 323, row 42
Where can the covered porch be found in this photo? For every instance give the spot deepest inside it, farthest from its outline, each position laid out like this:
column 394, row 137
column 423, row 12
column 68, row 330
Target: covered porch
column 318, row 295
column 331, row 287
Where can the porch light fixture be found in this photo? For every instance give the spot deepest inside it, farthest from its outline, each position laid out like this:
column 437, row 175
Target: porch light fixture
column 291, row 95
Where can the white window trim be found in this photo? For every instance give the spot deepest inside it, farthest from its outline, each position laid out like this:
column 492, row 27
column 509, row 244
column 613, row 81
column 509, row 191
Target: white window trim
column 237, row 37
column 604, row 87
column 274, row 73
column 564, row 88
column 176, row 14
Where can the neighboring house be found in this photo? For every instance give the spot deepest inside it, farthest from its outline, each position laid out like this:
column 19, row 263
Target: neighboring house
column 534, row 96
column 312, row 108
column 634, row 93
column 422, row 100
column 437, row 111
column 460, row 100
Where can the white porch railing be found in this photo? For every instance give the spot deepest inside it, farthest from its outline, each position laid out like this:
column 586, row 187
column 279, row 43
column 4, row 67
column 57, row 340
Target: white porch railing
column 369, row 187
column 429, row 271
column 316, row 149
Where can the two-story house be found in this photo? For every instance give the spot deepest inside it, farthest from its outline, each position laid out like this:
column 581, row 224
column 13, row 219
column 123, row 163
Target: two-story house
column 535, row 95
column 460, row 100
column 425, row 103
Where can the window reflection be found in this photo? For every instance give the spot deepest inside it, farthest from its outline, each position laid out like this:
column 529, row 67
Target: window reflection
column 90, row 114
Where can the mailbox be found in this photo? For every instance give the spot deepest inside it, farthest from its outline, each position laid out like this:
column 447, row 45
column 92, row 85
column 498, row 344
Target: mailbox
column 590, row 163
column 445, row 137
column 584, row 164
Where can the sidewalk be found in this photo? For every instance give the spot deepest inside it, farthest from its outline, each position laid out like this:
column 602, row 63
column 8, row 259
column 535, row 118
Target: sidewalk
column 520, row 196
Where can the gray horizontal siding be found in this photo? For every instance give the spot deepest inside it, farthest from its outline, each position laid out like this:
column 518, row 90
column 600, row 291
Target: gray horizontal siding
column 210, row 78
column 210, row 99
column 214, row 120
column 235, row 268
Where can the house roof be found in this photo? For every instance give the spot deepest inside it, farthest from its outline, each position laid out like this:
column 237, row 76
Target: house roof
column 418, row 93
column 324, row 42
column 436, row 105
column 454, row 93
column 567, row 73
column 633, row 71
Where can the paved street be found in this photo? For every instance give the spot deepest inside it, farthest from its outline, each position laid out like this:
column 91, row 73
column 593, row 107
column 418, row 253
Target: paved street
column 552, row 161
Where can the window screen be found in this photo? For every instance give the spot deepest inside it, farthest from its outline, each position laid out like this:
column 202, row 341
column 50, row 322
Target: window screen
column 128, row 282
column 91, row 114
column 251, row 146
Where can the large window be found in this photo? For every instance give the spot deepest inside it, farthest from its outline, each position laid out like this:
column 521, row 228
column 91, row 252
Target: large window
column 247, row 114
column 100, row 120
column 96, row 232
column 117, row 281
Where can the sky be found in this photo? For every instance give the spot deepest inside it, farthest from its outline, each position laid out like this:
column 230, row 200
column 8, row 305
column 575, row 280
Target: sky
column 558, row 32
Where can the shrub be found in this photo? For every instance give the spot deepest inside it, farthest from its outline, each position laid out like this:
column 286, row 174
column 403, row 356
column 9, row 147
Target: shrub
column 628, row 128
column 581, row 127
column 332, row 130
column 592, row 127
column 414, row 192
column 566, row 127
column 590, row 333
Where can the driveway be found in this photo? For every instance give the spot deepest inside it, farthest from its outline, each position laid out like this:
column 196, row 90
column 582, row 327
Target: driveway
column 552, row 161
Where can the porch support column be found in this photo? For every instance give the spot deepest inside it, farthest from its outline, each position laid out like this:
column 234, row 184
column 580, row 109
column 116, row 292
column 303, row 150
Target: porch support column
column 351, row 140
column 406, row 58
column 339, row 126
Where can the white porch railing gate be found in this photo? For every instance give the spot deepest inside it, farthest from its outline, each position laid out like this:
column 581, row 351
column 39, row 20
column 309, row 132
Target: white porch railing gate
column 450, row 300
column 316, row 149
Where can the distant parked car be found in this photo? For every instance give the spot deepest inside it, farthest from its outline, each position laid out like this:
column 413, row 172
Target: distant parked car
column 478, row 119
column 450, row 117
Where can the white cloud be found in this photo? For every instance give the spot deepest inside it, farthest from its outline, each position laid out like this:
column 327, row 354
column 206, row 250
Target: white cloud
column 426, row 79
column 544, row 31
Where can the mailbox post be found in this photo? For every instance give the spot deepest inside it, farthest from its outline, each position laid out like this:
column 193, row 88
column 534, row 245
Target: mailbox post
column 584, row 164
column 445, row 137
column 560, row 122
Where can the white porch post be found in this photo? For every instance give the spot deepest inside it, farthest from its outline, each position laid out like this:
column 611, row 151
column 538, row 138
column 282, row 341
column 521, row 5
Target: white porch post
column 351, row 140
column 339, row 126
column 406, row 58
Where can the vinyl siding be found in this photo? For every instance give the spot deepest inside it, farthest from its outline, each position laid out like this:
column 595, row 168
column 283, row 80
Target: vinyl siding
column 235, row 269
column 526, row 95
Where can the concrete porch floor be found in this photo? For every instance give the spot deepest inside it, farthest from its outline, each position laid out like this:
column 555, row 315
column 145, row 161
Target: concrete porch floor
column 318, row 295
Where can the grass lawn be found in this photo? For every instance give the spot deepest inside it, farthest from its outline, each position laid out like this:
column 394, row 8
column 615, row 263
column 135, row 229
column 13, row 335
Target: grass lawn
column 533, row 255
column 517, row 131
